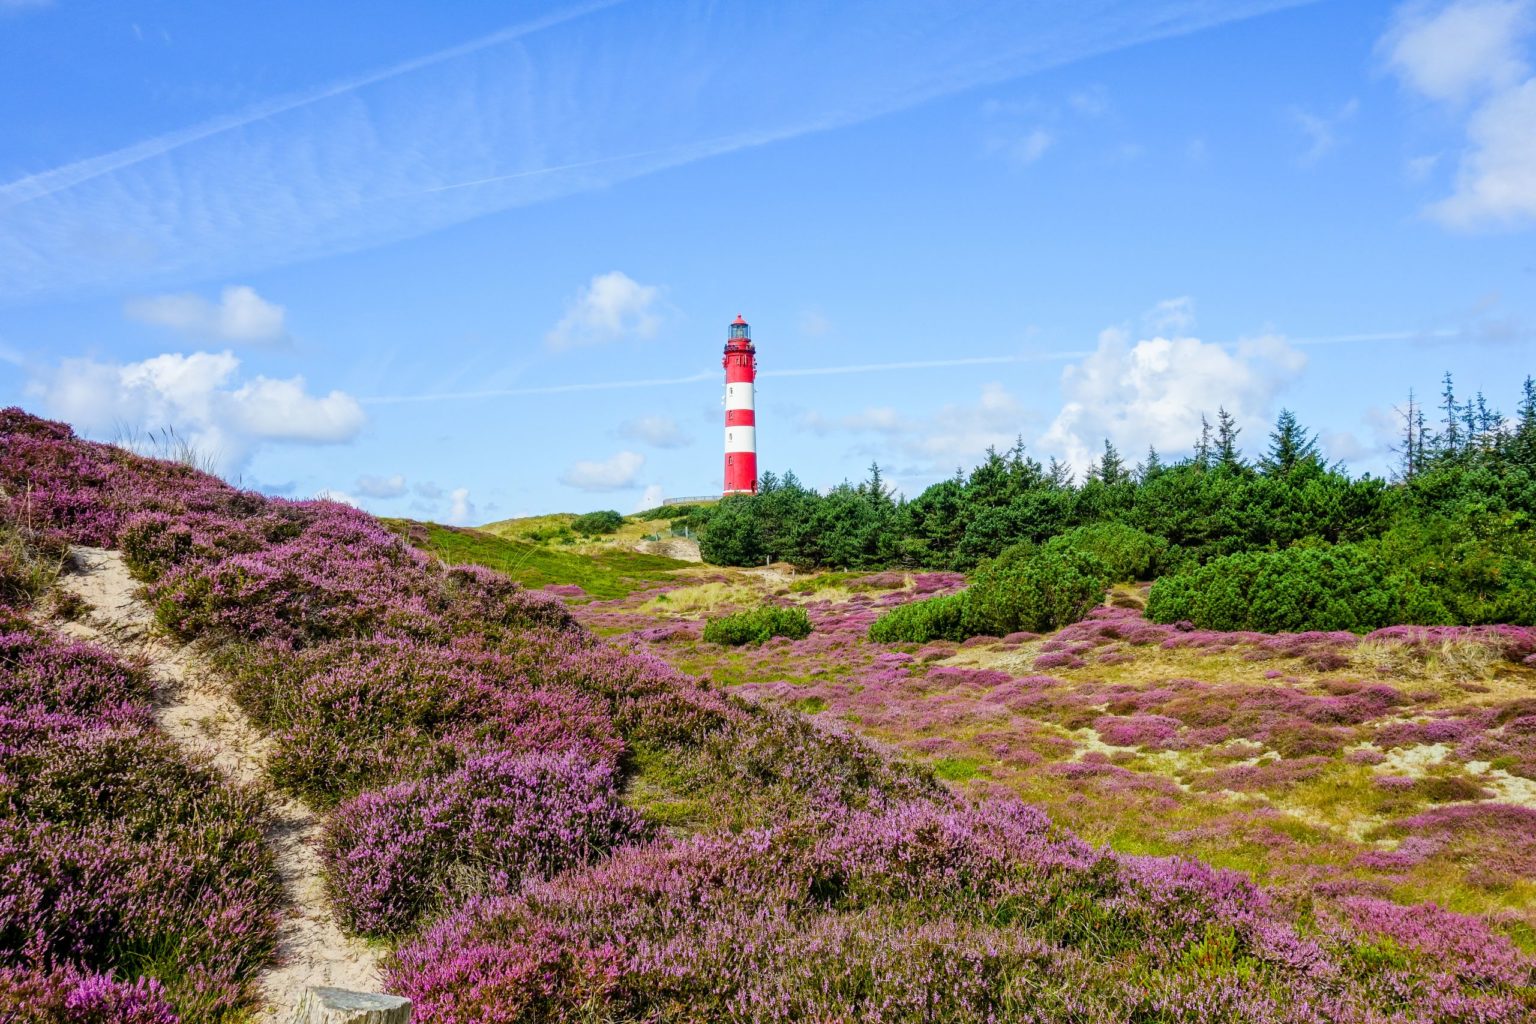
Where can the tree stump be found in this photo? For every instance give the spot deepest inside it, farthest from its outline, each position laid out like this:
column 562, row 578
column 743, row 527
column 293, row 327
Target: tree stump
column 339, row 1006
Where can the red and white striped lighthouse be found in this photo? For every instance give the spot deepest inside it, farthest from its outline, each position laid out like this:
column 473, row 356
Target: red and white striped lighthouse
column 740, row 364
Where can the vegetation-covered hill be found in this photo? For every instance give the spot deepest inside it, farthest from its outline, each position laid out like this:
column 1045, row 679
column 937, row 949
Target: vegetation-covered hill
column 600, row 570
column 549, row 828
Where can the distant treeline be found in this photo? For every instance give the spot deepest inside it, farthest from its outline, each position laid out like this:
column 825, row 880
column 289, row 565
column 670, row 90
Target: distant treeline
column 1454, row 525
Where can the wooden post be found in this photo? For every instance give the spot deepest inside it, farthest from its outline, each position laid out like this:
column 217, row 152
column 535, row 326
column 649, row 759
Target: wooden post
column 339, row 1006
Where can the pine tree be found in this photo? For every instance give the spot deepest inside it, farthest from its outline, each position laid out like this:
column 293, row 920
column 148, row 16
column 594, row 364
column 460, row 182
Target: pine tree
column 1227, row 454
column 1412, row 443
column 1523, row 443
column 1450, row 438
column 874, row 490
column 1290, row 447
column 1058, row 474
column 1152, row 466
column 1110, row 468
column 1203, row 446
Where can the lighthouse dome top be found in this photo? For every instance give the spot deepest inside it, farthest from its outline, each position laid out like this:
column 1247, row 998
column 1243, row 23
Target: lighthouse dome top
column 739, row 329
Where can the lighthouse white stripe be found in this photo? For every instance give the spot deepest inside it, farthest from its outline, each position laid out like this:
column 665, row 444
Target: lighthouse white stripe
column 741, row 439
column 738, row 395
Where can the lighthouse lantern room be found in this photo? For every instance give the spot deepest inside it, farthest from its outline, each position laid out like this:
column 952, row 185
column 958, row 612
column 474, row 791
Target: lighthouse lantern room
column 740, row 364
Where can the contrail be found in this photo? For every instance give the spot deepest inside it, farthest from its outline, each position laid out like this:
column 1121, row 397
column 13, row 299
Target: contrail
column 709, row 375
column 1350, row 339
column 831, row 371
column 576, row 99
column 550, row 389
column 47, row 183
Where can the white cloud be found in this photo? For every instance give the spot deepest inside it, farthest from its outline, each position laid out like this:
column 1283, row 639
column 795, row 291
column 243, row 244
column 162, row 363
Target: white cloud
column 1419, row 168
column 1171, row 316
column 955, row 434
column 341, row 497
column 618, row 472
column 1452, row 51
column 613, row 306
column 1090, row 102
column 814, row 324
column 240, row 316
column 198, row 395
column 657, row 431
column 1321, row 130
column 1023, row 150
column 1153, row 392
column 381, row 486
column 653, row 496
column 1475, row 51
column 461, row 511
column 1496, row 184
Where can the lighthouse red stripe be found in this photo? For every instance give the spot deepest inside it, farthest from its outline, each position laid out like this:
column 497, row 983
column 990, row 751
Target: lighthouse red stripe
column 740, row 418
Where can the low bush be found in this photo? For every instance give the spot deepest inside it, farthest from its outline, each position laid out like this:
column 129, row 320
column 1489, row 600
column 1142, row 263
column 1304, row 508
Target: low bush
column 1035, row 590
column 1127, row 553
column 1026, row 588
column 1330, row 587
column 758, row 624
column 597, row 523
column 917, row 622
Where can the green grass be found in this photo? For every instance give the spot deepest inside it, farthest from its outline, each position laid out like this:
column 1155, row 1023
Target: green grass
column 603, row 573
column 957, row 769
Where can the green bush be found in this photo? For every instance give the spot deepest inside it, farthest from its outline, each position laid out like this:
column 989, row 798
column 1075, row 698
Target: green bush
column 1127, row 553
column 917, row 622
column 1050, row 587
column 1336, row 586
column 595, row 523
column 757, row 625
column 1024, row 588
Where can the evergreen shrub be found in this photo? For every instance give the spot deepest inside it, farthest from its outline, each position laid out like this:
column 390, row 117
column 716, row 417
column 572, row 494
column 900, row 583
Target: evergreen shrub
column 757, row 625
column 1326, row 587
column 596, row 523
column 1127, row 553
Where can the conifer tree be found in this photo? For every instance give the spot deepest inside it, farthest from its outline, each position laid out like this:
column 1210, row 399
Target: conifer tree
column 1290, row 447
column 1110, row 468
column 1203, row 446
column 1227, row 454
column 1450, row 437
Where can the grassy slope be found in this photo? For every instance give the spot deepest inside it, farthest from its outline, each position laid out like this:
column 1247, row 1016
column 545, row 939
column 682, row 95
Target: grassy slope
column 602, row 571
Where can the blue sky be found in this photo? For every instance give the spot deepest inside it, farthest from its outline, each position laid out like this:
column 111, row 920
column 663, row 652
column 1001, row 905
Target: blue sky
column 477, row 260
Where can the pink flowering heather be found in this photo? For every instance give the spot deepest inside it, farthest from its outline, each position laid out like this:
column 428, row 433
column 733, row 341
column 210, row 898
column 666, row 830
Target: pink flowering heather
column 500, row 819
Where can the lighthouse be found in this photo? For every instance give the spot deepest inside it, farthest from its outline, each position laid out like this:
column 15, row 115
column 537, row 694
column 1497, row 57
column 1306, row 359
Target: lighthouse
column 740, row 364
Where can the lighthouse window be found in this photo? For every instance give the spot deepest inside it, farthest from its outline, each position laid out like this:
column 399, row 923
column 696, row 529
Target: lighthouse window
column 730, row 460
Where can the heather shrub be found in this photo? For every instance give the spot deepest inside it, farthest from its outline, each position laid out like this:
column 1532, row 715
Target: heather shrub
column 118, row 852
column 596, row 523
column 395, row 854
column 70, row 996
column 758, row 624
column 354, row 714
column 917, row 913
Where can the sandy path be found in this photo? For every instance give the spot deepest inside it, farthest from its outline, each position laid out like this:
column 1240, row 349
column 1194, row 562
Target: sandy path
column 199, row 715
